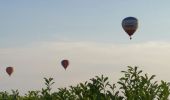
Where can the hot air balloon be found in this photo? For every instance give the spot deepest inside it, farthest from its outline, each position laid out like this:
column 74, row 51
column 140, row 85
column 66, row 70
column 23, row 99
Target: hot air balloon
column 130, row 25
column 9, row 70
column 65, row 63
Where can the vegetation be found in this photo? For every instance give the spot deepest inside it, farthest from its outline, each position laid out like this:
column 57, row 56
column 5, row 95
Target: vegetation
column 132, row 86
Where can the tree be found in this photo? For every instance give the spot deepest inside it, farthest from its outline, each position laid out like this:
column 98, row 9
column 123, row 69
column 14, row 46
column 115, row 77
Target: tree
column 133, row 85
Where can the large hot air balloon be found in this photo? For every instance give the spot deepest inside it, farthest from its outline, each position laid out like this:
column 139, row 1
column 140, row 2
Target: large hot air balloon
column 65, row 63
column 130, row 24
column 9, row 70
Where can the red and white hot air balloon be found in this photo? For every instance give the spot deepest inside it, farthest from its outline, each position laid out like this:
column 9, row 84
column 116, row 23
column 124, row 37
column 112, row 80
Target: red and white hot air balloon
column 65, row 63
column 130, row 25
column 9, row 70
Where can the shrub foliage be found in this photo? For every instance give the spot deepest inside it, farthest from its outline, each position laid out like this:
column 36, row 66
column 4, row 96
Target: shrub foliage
column 133, row 85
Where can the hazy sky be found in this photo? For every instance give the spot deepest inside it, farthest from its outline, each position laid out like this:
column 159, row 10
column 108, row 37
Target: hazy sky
column 35, row 35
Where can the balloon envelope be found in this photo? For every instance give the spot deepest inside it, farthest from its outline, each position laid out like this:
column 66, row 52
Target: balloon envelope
column 65, row 63
column 9, row 70
column 130, row 25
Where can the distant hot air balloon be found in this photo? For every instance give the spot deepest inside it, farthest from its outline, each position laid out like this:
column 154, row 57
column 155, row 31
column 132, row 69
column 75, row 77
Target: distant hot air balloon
column 130, row 25
column 9, row 70
column 65, row 63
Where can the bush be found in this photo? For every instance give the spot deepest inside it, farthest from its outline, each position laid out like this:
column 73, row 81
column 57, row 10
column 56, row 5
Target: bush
column 133, row 86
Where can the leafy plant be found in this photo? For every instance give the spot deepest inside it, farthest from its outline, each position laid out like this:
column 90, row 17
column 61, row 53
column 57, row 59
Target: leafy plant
column 133, row 85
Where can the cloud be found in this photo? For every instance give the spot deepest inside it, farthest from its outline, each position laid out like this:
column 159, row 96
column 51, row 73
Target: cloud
column 87, row 59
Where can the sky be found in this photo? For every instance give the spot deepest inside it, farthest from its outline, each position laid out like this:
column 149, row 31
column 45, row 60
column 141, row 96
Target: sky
column 35, row 35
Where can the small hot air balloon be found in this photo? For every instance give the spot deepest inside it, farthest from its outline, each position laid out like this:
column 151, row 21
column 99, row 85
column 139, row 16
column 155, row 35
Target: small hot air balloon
column 130, row 25
column 9, row 70
column 65, row 63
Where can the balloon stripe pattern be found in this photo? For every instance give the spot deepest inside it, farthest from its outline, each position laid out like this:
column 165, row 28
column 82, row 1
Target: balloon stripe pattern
column 130, row 25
